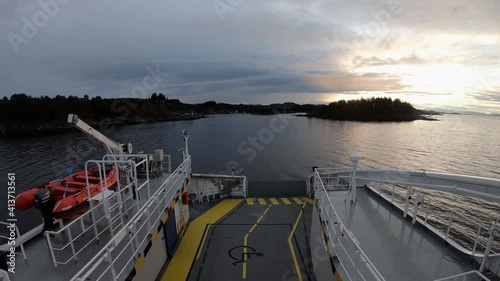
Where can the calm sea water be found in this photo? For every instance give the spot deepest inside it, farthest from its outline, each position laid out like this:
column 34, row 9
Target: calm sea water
column 274, row 148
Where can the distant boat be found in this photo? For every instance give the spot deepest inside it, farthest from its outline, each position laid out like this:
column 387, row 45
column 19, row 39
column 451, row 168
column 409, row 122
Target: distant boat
column 68, row 196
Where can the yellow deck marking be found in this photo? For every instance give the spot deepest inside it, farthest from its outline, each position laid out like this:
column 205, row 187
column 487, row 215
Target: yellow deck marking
column 203, row 241
column 262, row 201
column 250, row 201
column 244, row 272
column 139, row 262
column 286, row 201
column 155, row 235
column 309, row 200
column 290, row 244
column 297, row 200
column 186, row 252
column 253, row 228
column 274, row 201
column 245, row 243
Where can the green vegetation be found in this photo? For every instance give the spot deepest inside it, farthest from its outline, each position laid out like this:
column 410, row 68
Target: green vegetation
column 373, row 109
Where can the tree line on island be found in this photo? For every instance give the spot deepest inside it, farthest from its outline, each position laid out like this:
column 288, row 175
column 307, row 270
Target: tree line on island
column 22, row 114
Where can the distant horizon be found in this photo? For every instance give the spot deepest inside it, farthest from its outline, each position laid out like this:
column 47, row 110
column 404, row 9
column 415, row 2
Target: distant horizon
column 438, row 110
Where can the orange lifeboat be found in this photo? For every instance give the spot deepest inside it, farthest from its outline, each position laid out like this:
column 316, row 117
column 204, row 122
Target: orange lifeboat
column 70, row 192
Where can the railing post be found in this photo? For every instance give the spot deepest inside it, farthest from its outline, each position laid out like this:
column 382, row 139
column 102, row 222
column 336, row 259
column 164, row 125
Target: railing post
column 354, row 159
column 495, row 227
column 71, row 243
column 475, row 240
column 409, row 193
column 427, row 209
column 51, row 250
column 109, row 259
column 132, row 240
column 418, row 201
column 392, row 194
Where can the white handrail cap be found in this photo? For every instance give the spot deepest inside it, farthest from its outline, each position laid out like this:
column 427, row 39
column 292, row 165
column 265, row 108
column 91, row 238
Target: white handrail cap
column 355, row 157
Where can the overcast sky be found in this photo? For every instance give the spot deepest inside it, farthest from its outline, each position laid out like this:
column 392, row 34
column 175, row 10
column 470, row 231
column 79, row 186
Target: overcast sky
column 435, row 54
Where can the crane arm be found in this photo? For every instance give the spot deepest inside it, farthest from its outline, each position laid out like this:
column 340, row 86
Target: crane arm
column 110, row 145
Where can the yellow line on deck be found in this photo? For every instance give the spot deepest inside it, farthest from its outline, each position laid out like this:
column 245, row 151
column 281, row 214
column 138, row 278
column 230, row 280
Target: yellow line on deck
column 262, row 201
column 274, row 201
column 245, row 243
column 186, row 252
column 290, row 244
column 250, row 201
column 309, row 200
column 253, row 228
column 297, row 200
column 203, row 242
column 286, row 201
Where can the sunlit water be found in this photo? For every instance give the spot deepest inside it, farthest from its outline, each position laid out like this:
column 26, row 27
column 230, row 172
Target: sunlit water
column 286, row 148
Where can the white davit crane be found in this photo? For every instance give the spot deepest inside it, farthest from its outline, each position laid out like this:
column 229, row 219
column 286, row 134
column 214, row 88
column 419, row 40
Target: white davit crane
column 110, row 145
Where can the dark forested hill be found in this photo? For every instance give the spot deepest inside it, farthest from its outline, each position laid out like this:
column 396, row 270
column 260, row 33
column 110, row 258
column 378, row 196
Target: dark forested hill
column 22, row 114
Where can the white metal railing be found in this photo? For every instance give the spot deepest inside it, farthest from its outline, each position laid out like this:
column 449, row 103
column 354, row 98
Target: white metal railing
column 62, row 240
column 353, row 261
column 476, row 240
column 116, row 259
column 466, row 276
column 17, row 243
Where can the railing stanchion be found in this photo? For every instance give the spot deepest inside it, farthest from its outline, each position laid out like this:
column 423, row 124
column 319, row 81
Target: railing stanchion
column 476, row 240
column 108, row 258
column 51, row 250
column 71, row 243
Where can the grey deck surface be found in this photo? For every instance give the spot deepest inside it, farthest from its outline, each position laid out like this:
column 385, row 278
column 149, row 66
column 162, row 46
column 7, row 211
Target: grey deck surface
column 270, row 238
column 399, row 250
column 39, row 265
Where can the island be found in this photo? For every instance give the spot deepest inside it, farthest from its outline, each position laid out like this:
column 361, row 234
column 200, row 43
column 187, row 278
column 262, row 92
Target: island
column 373, row 109
column 24, row 115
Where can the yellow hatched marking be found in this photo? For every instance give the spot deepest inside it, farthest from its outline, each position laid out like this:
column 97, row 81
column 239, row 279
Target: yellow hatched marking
column 309, row 200
column 286, row 201
column 250, row 201
column 297, row 200
column 262, row 201
column 155, row 235
column 139, row 262
column 274, row 201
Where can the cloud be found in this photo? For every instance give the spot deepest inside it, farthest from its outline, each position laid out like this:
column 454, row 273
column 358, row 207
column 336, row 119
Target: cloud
column 339, row 83
column 274, row 50
column 489, row 96
column 359, row 61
